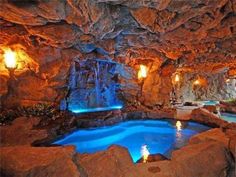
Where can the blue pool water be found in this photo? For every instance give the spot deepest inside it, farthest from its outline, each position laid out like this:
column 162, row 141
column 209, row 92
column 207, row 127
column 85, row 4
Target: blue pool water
column 229, row 117
column 160, row 136
column 210, row 102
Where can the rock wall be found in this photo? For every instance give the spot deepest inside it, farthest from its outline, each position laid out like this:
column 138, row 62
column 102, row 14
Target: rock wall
column 161, row 34
column 92, row 84
column 212, row 86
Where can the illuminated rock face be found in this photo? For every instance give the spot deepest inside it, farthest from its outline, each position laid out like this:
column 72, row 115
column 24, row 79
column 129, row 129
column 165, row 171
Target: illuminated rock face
column 163, row 34
column 93, row 84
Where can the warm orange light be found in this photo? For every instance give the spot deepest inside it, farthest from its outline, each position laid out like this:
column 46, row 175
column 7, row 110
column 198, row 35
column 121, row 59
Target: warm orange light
column 10, row 58
column 145, row 153
column 177, row 78
column 227, row 80
column 196, row 82
column 142, row 73
column 178, row 125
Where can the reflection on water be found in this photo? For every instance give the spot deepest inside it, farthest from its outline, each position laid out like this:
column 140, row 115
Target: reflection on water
column 144, row 153
column 179, row 140
column 178, row 125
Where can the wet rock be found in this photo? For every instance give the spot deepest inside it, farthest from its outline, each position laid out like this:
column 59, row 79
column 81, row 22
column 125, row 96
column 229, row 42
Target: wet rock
column 25, row 161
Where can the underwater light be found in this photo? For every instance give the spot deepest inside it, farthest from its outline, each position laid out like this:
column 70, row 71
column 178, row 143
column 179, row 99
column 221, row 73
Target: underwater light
column 87, row 110
column 145, row 153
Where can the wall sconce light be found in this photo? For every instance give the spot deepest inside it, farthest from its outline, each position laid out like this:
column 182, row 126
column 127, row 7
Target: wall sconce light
column 177, row 77
column 10, row 59
column 227, row 81
column 142, row 73
column 196, row 82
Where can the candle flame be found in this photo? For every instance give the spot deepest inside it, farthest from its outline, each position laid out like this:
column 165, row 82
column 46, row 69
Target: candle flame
column 178, row 125
column 145, row 153
column 142, row 72
column 10, row 58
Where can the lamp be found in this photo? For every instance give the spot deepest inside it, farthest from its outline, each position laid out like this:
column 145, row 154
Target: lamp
column 142, row 73
column 10, row 59
column 177, row 78
column 196, row 82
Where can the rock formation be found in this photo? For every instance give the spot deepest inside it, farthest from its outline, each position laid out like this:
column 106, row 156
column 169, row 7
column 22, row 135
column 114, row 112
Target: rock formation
column 165, row 35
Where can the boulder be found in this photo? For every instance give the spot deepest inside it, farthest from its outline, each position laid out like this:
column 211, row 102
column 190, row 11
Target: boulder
column 21, row 132
column 215, row 134
column 206, row 159
column 155, row 169
column 231, row 134
column 204, row 116
column 115, row 161
column 23, row 161
column 211, row 108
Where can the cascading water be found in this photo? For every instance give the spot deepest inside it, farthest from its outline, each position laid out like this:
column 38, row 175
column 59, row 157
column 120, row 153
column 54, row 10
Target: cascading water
column 92, row 87
column 97, row 85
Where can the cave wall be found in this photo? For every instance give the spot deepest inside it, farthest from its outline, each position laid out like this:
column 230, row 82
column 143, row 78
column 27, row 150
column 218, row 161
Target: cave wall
column 161, row 34
column 212, row 86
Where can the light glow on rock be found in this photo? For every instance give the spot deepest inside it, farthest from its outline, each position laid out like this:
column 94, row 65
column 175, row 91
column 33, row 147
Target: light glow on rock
column 10, row 58
column 177, row 78
column 196, row 82
column 142, row 73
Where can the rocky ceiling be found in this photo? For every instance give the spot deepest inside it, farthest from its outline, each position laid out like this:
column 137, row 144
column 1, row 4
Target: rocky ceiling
column 192, row 31
column 193, row 35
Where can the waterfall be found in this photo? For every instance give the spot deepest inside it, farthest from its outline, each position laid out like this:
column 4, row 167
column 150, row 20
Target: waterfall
column 92, row 87
column 97, row 84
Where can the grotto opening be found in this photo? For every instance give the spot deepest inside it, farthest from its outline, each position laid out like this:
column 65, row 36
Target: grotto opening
column 110, row 88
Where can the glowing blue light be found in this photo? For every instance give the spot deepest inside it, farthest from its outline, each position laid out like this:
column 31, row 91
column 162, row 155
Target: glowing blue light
column 160, row 136
column 96, row 109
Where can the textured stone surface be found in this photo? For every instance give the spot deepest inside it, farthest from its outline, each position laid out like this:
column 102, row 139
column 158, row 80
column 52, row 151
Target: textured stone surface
column 215, row 134
column 204, row 116
column 212, row 86
column 164, row 35
column 152, row 158
column 116, row 161
column 214, row 145
column 24, row 161
column 185, row 162
column 21, row 132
